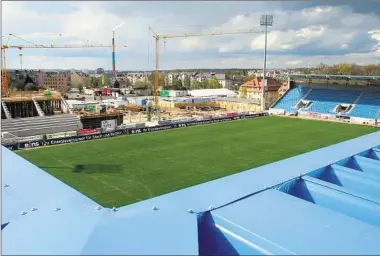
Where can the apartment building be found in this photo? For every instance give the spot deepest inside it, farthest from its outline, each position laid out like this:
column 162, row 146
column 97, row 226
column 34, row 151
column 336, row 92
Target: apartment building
column 53, row 80
column 131, row 78
column 181, row 76
column 222, row 78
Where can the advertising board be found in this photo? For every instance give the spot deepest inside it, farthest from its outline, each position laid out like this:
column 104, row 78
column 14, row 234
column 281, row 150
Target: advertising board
column 57, row 141
column 109, row 125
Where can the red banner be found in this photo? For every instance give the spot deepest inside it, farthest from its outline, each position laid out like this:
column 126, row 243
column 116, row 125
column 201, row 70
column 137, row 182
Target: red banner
column 86, row 131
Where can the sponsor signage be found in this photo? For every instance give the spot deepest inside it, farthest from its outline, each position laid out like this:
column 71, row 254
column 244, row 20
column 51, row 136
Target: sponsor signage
column 343, row 117
column 86, row 131
column 109, row 125
column 58, row 141
column 32, row 138
column 61, row 135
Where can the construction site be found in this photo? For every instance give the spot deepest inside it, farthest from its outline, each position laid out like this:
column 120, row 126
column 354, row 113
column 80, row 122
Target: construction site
column 31, row 110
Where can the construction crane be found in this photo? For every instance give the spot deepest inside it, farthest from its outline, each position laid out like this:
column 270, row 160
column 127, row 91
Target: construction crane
column 30, row 45
column 157, row 38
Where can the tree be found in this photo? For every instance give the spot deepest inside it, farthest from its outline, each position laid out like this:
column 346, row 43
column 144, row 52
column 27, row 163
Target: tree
column 151, row 77
column 18, row 84
column 31, row 87
column 177, row 84
column 246, row 79
column 128, row 83
column 186, row 83
column 162, row 83
column 213, row 83
column 195, row 84
column 116, row 84
column 105, row 80
column 80, row 88
column 243, row 92
column 204, row 84
column 95, row 83
column 344, row 69
column 28, row 80
column 87, row 82
column 76, row 80
column 139, row 85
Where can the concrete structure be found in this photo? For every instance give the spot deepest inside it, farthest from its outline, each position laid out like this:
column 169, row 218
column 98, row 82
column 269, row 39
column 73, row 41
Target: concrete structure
column 23, row 127
column 238, row 104
column 323, row 202
column 212, row 93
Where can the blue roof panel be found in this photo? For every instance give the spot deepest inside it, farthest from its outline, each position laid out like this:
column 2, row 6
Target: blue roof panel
column 282, row 224
column 322, row 202
column 160, row 232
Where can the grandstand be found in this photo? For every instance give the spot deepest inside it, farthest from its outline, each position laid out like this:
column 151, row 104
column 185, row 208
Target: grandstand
column 367, row 105
column 322, row 202
column 358, row 102
column 23, row 127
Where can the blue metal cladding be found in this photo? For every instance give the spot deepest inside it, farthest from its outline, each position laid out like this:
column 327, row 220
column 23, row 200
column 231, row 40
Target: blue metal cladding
column 323, row 202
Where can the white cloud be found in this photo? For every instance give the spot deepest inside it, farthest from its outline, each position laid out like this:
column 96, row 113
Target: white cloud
column 294, row 62
column 375, row 34
column 50, row 62
column 192, row 44
column 322, row 27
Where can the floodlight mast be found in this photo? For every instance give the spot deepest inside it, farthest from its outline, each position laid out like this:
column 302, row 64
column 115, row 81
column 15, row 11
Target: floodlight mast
column 266, row 21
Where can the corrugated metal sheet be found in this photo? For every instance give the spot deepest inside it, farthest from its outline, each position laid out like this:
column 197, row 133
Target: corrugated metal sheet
column 323, row 202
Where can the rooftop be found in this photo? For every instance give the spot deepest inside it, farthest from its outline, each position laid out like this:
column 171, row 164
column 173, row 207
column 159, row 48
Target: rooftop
column 323, row 202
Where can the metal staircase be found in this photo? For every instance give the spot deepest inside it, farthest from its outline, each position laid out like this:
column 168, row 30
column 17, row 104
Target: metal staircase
column 65, row 107
column 6, row 111
column 303, row 98
column 358, row 99
column 306, row 94
column 38, row 107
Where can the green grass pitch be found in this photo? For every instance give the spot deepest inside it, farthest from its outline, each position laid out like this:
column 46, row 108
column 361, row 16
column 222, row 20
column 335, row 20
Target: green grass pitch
column 126, row 169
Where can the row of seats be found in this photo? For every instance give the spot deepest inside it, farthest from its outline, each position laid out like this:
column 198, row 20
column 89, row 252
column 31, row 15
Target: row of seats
column 324, row 101
column 23, row 127
column 368, row 106
column 289, row 100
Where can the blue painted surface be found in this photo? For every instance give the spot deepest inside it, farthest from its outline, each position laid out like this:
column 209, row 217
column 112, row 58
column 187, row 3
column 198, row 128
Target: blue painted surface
column 279, row 223
column 332, row 209
column 368, row 105
column 289, row 100
column 324, row 101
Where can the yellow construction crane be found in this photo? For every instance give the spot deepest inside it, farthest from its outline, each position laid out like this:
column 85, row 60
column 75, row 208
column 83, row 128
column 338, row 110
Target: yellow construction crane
column 30, row 45
column 157, row 38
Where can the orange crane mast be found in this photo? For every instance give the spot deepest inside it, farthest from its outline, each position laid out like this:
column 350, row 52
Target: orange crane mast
column 30, row 45
column 157, row 38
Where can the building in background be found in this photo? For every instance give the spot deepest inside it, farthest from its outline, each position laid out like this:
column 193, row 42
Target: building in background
column 100, row 71
column 252, row 90
column 53, row 80
column 223, row 80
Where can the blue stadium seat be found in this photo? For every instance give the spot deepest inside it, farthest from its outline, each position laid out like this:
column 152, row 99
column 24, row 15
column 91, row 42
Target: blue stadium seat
column 325, row 100
column 291, row 98
column 368, row 106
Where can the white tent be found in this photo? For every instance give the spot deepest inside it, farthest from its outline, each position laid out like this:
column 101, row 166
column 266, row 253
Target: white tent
column 212, row 93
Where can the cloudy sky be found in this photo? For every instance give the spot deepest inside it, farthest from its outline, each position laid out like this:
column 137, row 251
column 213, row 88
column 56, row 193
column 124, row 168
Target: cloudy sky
column 304, row 33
